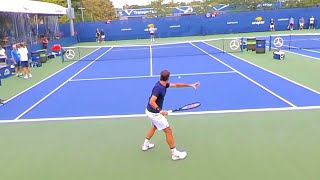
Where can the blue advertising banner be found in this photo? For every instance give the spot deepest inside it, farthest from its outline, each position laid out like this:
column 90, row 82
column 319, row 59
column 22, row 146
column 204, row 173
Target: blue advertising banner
column 5, row 71
column 195, row 25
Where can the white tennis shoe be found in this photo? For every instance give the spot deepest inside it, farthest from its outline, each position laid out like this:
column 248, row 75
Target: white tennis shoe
column 147, row 146
column 179, row 155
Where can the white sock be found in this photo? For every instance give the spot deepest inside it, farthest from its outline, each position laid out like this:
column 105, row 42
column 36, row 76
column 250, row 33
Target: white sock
column 173, row 150
column 146, row 141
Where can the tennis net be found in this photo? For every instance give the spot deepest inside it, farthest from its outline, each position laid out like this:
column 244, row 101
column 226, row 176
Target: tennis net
column 295, row 41
column 156, row 50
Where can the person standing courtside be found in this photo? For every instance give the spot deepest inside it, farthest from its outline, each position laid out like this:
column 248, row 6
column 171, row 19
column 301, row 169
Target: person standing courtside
column 1, row 100
column 156, row 114
column 291, row 24
column 311, row 23
column 98, row 35
column 103, row 36
column 152, row 31
column 16, row 60
column 3, row 56
column 301, row 23
column 23, row 51
column 272, row 25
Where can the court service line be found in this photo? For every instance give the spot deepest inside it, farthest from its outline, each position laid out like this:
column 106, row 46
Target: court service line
column 53, row 91
column 139, row 77
column 151, row 63
column 172, row 114
column 49, row 77
column 292, row 81
column 253, row 81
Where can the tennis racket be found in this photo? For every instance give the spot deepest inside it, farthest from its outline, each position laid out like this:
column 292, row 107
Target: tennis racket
column 186, row 107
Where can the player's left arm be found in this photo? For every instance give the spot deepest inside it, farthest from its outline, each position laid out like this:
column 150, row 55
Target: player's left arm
column 181, row 85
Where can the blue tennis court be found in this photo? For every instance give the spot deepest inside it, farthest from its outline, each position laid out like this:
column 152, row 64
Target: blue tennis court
column 117, row 81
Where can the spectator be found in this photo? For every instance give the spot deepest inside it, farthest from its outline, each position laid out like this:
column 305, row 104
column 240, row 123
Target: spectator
column 3, row 56
column 291, row 23
column 16, row 60
column 23, row 51
column 311, row 25
column 45, row 42
column 97, row 35
column 272, row 25
column 103, row 36
column 1, row 100
column 301, row 23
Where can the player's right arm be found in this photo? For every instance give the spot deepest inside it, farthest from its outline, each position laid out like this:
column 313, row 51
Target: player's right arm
column 154, row 105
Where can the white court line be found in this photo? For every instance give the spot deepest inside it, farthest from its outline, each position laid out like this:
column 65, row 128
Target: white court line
column 294, row 82
column 288, row 51
column 139, row 77
column 294, row 47
column 172, row 114
column 253, row 81
column 49, row 77
column 25, row 112
column 151, row 66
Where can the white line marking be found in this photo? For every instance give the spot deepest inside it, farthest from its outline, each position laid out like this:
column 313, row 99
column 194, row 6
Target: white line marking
column 297, row 48
column 303, row 86
column 299, row 54
column 139, row 77
column 151, row 66
column 25, row 112
column 173, row 114
column 318, row 52
column 253, row 81
column 49, row 77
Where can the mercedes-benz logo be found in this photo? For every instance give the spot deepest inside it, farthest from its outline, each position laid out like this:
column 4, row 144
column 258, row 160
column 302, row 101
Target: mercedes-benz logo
column 278, row 42
column 234, row 44
column 70, row 54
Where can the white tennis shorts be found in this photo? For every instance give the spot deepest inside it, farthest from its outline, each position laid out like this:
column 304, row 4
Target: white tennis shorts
column 157, row 120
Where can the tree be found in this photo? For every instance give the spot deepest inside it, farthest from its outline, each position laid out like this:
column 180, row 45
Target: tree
column 100, row 9
column 158, row 6
column 94, row 9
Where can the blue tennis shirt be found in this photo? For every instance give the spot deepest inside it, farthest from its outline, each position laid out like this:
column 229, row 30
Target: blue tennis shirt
column 15, row 55
column 159, row 91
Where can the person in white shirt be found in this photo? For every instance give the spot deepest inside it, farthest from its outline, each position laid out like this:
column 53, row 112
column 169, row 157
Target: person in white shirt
column 152, row 30
column 291, row 23
column 3, row 56
column 301, row 23
column 23, row 51
column 311, row 24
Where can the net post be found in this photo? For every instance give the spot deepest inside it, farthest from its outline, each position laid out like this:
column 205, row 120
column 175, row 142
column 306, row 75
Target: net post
column 270, row 44
column 61, row 54
column 290, row 41
column 242, row 45
column 223, row 48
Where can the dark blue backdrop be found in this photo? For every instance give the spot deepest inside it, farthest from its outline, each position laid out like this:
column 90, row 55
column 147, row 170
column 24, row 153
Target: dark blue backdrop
column 236, row 22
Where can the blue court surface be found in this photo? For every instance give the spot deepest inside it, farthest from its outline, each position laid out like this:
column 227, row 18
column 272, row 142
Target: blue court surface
column 117, row 82
column 307, row 45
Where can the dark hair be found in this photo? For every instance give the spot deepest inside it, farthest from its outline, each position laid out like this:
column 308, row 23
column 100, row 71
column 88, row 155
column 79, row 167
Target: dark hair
column 165, row 74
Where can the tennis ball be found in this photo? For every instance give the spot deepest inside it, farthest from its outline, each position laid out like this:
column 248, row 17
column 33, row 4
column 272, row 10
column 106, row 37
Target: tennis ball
column 179, row 77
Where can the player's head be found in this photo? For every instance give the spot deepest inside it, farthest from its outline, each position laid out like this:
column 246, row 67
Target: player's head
column 164, row 76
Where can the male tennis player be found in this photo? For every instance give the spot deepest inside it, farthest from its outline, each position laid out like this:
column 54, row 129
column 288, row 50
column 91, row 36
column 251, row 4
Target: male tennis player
column 156, row 114
column 152, row 31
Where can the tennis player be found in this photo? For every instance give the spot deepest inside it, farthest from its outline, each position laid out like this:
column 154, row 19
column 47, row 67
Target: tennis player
column 152, row 30
column 271, row 25
column 156, row 114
